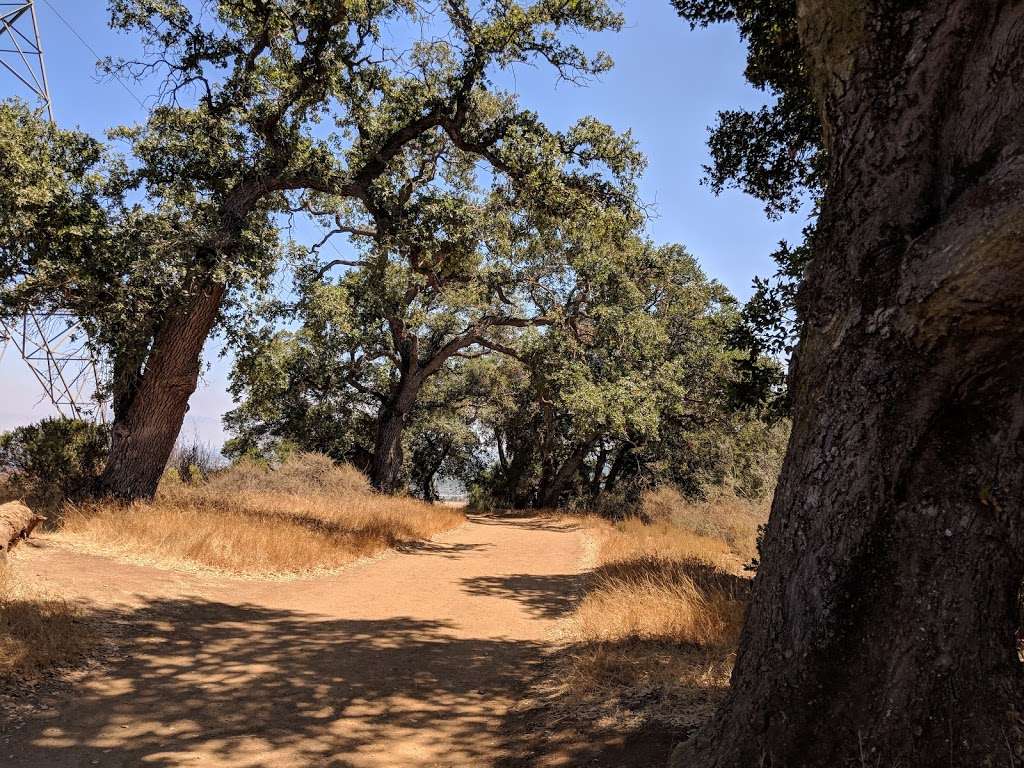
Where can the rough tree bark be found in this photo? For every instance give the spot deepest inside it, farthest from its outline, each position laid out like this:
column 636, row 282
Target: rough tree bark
column 146, row 428
column 386, row 465
column 881, row 630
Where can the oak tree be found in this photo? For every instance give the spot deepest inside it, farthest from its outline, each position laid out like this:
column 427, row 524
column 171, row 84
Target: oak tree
column 262, row 104
column 626, row 393
column 884, row 612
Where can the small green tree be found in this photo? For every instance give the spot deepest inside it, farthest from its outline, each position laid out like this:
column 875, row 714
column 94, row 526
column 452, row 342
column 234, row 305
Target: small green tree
column 443, row 442
column 296, row 391
column 449, row 267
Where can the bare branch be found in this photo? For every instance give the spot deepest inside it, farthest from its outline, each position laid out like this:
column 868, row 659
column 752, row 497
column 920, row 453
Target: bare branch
column 495, row 346
column 338, row 263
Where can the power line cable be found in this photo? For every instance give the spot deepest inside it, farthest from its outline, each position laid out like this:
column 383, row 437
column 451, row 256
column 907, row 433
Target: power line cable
column 92, row 50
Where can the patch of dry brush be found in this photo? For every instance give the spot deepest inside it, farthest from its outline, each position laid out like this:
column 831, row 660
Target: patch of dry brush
column 652, row 641
column 37, row 631
column 307, row 515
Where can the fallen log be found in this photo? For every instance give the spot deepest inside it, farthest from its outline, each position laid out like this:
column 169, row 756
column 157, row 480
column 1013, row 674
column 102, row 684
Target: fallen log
column 16, row 523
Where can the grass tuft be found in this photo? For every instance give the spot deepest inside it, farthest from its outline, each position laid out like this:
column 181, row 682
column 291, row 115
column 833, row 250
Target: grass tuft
column 652, row 640
column 650, row 597
column 306, row 516
column 37, row 631
column 722, row 517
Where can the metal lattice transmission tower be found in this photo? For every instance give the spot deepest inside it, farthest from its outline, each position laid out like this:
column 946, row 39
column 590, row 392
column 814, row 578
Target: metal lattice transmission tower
column 52, row 343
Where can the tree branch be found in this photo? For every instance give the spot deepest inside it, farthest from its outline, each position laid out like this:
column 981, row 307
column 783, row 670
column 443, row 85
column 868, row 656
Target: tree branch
column 338, row 263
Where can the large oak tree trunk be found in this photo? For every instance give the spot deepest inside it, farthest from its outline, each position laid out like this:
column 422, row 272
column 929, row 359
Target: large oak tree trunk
column 386, row 466
column 881, row 630
column 146, row 428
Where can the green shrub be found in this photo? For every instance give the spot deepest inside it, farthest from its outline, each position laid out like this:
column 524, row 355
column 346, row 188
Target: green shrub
column 54, row 459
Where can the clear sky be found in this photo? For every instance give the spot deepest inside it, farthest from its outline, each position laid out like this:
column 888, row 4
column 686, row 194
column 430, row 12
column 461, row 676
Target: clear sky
column 667, row 85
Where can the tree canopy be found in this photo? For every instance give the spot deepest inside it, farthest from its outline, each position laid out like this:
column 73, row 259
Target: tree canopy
column 471, row 230
column 774, row 153
column 269, row 109
column 630, row 380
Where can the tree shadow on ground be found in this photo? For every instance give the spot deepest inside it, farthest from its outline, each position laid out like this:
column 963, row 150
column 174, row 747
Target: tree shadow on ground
column 549, row 597
column 439, row 548
column 635, row 703
column 543, row 745
column 213, row 684
column 532, row 520
column 210, row 683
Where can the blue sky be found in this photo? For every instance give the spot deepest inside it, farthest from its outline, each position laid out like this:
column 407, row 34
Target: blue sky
column 666, row 87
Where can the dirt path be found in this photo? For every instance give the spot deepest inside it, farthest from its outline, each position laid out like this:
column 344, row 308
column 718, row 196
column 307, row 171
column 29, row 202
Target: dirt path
column 411, row 660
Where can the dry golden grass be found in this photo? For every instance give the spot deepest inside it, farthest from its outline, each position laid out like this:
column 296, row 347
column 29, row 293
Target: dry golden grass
column 636, row 684
column 653, row 637
column 652, row 598
column 723, row 517
column 37, row 631
column 306, row 516
column 633, row 538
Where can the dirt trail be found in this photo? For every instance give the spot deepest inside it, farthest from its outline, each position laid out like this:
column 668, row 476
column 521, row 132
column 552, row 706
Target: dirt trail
column 411, row 660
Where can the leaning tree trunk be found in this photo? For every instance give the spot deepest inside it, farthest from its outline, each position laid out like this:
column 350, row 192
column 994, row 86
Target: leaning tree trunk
column 428, row 485
column 145, row 430
column 881, row 630
column 618, row 465
column 514, row 490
